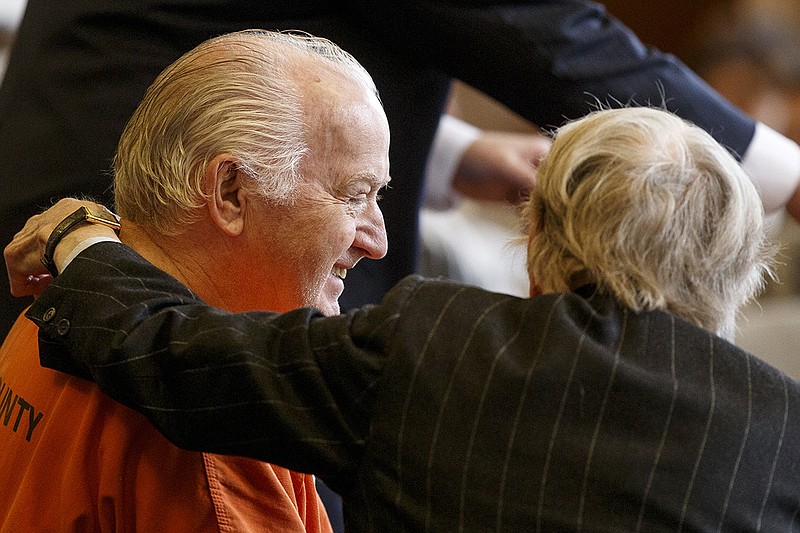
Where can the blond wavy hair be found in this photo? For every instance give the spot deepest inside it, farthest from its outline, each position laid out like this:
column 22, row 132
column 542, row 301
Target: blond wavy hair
column 652, row 210
column 232, row 94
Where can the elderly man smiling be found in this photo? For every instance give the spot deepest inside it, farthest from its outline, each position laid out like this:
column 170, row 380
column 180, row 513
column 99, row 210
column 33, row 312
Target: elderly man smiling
column 250, row 172
column 608, row 401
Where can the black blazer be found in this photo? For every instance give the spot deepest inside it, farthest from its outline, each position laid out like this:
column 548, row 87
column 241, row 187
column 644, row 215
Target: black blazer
column 80, row 67
column 449, row 408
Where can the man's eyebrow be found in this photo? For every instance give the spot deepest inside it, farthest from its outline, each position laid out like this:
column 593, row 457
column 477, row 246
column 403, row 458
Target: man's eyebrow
column 372, row 179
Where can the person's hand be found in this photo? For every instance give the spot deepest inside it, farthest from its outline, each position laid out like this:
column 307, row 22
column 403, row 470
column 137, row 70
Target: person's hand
column 793, row 205
column 23, row 255
column 500, row 166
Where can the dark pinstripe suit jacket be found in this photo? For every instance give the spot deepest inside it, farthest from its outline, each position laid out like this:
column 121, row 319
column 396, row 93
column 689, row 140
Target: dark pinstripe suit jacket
column 449, row 408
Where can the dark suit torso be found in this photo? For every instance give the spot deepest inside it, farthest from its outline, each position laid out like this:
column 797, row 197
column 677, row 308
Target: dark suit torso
column 79, row 68
column 449, row 408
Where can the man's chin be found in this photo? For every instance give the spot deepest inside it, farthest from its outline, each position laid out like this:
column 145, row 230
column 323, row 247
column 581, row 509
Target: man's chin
column 328, row 305
column 331, row 309
column 329, row 296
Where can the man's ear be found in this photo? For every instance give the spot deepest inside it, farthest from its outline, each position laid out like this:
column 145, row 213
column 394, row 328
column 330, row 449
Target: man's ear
column 227, row 199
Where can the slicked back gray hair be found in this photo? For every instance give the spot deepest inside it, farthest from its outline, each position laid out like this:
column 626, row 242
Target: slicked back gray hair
column 232, row 94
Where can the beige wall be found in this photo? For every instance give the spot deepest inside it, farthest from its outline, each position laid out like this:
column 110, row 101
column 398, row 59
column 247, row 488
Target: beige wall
column 10, row 15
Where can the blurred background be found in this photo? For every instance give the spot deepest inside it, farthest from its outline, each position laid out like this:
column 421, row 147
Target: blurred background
column 10, row 15
column 749, row 50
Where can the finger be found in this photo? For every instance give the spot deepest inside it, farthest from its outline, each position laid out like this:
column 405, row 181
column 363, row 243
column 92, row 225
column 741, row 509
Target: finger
column 26, row 274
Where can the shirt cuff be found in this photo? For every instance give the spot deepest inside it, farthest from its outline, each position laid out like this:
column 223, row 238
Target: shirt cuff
column 81, row 246
column 453, row 137
column 773, row 163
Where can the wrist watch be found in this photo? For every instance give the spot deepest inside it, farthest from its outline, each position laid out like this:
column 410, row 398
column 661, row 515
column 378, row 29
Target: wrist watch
column 92, row 215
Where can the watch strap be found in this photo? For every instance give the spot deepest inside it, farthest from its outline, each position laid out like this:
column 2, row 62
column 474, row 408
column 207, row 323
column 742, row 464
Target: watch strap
column 103, row 217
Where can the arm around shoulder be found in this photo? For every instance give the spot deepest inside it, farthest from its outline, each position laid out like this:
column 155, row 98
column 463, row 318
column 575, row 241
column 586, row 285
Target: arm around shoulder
column 291, row 389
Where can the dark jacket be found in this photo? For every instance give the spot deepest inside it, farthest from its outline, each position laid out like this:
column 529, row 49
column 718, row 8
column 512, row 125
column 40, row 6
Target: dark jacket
column 446, row 407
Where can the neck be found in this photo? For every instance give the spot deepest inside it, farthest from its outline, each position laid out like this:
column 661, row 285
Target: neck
column 181, row 257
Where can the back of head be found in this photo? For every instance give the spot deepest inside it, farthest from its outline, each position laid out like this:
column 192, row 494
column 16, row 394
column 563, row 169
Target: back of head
column 652, row 210
column 234, row 94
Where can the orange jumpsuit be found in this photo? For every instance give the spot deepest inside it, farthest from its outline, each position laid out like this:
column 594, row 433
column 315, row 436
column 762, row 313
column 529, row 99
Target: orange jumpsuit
column 72, row 459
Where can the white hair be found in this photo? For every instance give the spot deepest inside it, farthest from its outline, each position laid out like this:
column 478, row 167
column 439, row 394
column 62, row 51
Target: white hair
column 652, row 210
column 232, row 94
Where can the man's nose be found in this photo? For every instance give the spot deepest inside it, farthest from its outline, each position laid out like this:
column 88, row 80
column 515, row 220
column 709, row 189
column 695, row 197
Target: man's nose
column 371, row 233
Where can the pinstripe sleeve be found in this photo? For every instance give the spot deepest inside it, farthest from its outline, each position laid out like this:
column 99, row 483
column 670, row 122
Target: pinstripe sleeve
column 256, row 384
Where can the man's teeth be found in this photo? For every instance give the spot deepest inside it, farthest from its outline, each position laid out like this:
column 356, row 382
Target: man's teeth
column 340, row 273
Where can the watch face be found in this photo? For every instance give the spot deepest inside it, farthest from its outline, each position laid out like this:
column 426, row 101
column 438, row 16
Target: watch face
column 101, row 215
column 83, row 214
